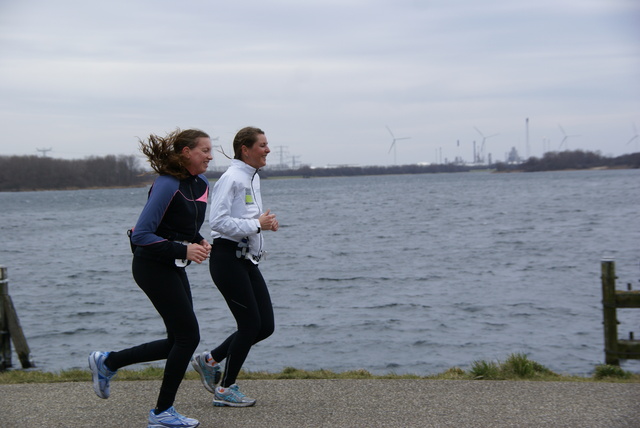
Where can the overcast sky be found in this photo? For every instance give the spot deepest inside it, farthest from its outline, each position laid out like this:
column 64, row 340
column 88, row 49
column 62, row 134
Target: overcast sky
column 322, row 78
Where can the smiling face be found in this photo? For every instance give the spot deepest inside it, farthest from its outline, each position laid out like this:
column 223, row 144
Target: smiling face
column 197, row 158
column 256, row 155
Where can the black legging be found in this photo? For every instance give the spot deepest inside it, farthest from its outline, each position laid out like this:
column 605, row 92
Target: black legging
column 168, row 289
column 246, row 294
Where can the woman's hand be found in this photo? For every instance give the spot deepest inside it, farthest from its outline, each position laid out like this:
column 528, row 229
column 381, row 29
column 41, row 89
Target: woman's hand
column 206, row 245
column 198, row 252
column 268, row 221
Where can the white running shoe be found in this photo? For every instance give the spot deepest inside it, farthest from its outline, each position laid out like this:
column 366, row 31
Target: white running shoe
column 210, row 375
column 231, row 397
column 100, row 374
column 170, row 418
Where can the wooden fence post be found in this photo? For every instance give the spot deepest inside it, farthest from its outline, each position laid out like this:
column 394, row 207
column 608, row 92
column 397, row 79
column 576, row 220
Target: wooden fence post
column 10, row 328
column 616, row 349
column 5, row 338
column 609, row 311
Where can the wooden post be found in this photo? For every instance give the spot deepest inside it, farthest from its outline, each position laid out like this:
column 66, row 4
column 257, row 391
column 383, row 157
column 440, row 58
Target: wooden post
column 11, row 327
column 616, row 349
column 609, row 312
column 5, row 338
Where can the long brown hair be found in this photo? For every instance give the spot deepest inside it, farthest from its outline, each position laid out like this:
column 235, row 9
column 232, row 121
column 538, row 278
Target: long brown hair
column 165, row 153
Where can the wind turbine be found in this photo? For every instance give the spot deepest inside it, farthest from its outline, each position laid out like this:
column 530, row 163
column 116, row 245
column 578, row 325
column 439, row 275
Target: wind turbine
column 566, row 137
column 635, row 134
column 481, row 153
column 393, row 143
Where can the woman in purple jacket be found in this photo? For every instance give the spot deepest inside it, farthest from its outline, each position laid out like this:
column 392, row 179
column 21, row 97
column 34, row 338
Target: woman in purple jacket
column 165, row 240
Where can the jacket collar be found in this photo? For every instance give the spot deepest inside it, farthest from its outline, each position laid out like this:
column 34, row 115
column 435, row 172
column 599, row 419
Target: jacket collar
column 237, row 163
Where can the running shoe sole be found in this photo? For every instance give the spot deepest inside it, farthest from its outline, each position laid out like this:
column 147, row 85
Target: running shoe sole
column 222, row 403
column 165, row 426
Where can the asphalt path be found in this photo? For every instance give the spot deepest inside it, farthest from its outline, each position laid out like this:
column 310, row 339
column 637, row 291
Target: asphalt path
column 335, row 403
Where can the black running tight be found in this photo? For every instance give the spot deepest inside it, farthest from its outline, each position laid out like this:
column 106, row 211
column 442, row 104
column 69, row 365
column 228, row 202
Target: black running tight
column 246, row 294
column 168, row 289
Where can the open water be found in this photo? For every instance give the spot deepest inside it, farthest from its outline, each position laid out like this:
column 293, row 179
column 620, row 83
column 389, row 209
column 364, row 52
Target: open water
column 404, row 274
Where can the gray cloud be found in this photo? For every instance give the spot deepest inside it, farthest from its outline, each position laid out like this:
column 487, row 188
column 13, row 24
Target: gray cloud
column 322, row 78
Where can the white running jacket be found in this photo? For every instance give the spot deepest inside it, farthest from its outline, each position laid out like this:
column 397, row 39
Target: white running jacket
column 236, row 205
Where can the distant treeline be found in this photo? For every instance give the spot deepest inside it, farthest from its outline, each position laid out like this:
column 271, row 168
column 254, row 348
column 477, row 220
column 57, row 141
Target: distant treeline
column 552, row 161
column 348, row 171
column 576, row 159
column 44, row 173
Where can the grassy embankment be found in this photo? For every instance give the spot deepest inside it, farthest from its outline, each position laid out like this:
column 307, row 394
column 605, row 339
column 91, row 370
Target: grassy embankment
column 515, row 367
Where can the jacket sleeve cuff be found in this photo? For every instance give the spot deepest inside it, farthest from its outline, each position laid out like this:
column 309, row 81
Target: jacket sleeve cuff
column 180, row 251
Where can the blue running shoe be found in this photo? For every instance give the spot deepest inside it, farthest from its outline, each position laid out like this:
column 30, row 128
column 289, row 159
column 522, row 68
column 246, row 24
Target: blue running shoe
column 231, row 397
column 100, row 373
column 170, row 418
column 210, row 375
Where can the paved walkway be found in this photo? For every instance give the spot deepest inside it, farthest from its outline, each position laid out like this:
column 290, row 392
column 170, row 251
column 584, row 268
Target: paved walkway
column 335, row 403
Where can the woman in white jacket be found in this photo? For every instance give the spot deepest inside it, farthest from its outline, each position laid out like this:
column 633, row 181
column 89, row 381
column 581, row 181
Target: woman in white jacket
column 237, row 224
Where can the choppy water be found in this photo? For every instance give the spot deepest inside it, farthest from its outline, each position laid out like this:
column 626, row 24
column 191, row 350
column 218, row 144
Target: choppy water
column 405, row 274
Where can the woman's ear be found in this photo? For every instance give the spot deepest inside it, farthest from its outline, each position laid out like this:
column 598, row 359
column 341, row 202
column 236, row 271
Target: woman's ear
column 186, row 152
